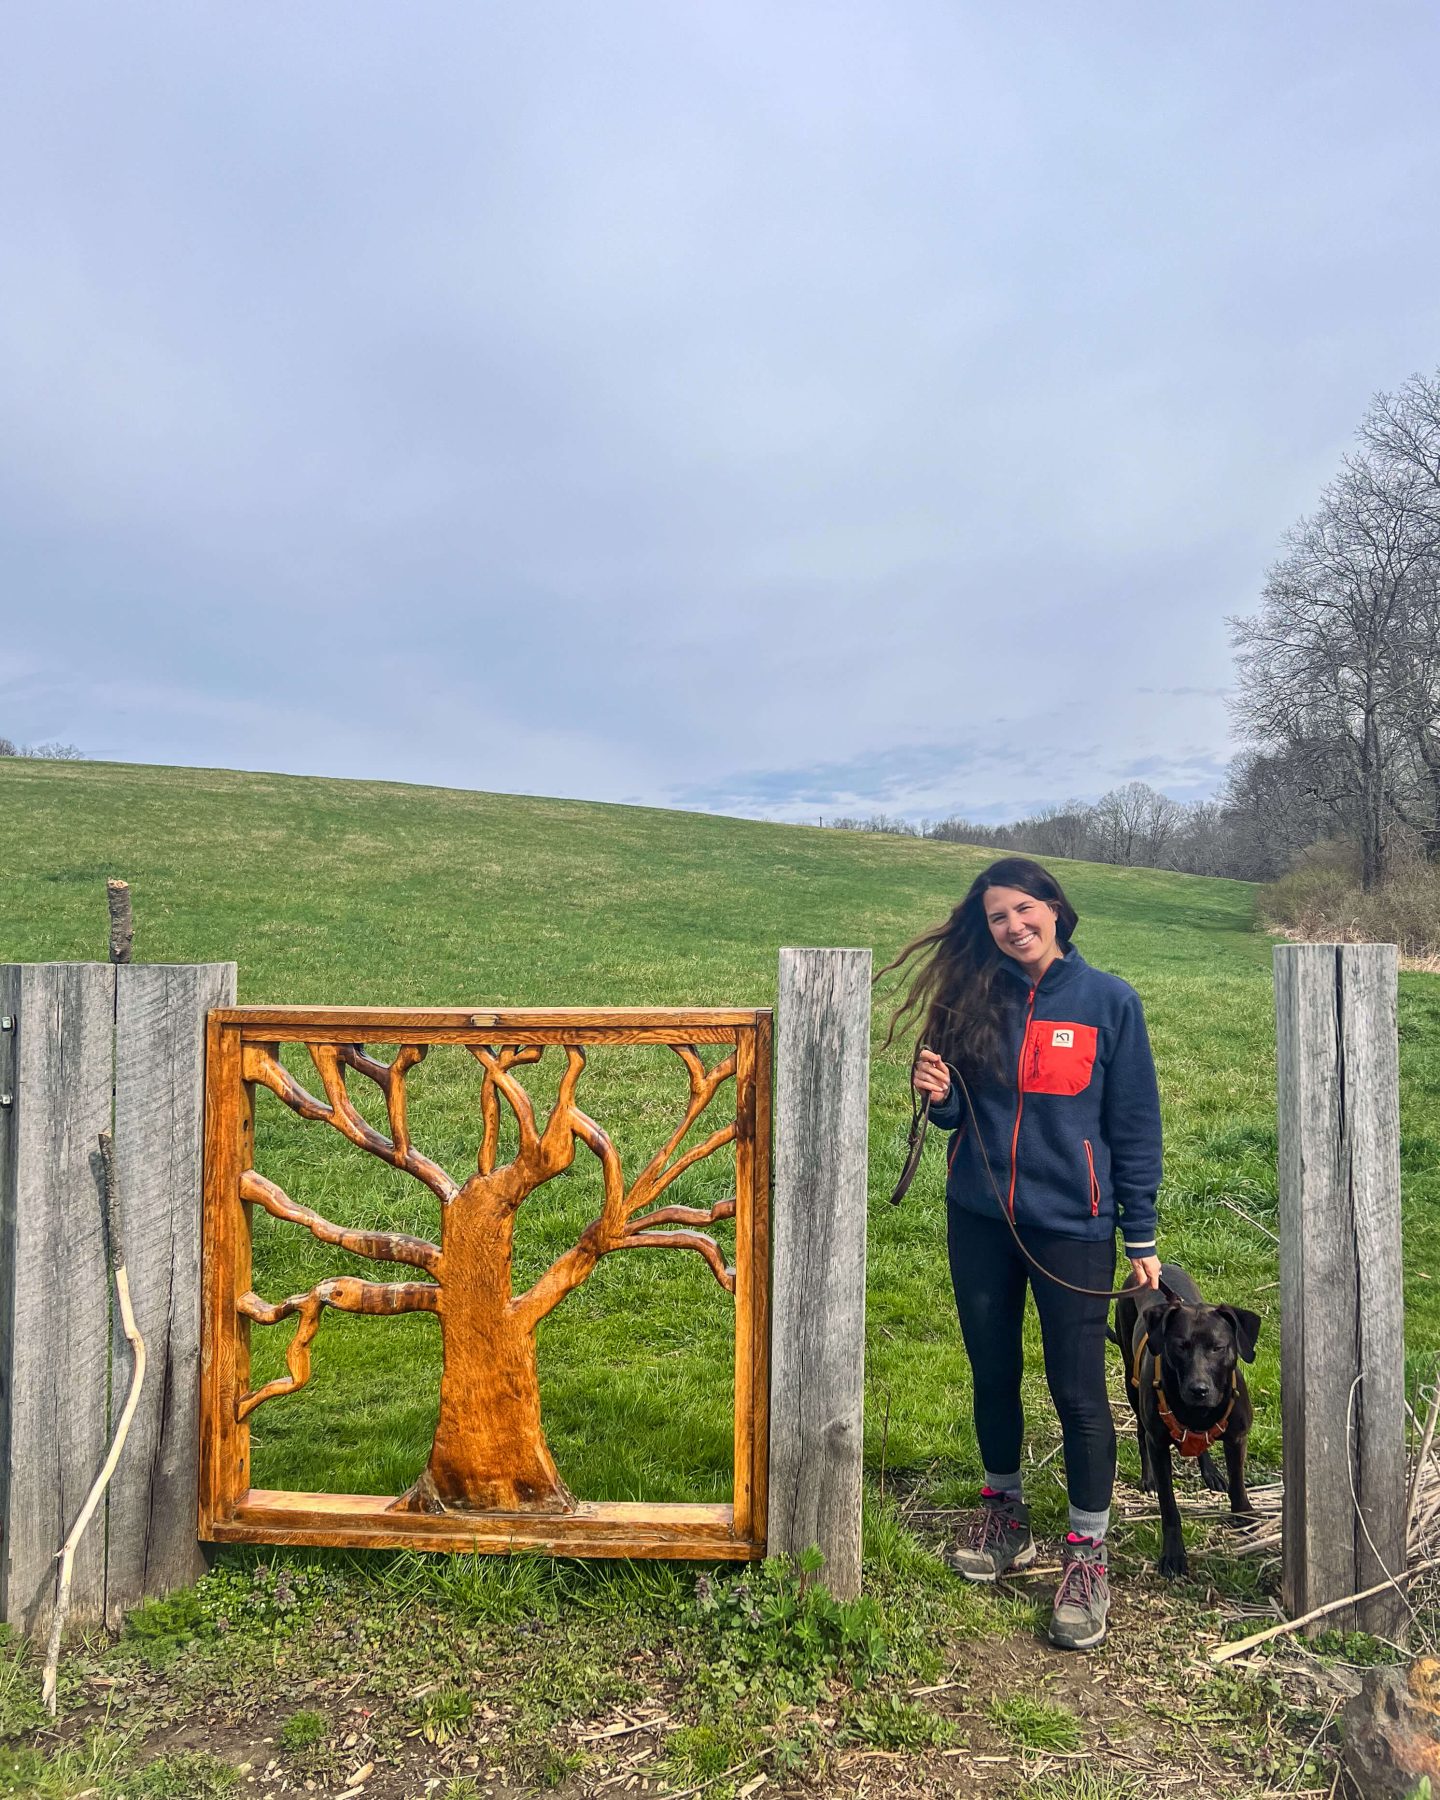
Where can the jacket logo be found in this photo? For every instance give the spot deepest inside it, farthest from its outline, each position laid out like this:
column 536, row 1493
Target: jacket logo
column 1062, row 1040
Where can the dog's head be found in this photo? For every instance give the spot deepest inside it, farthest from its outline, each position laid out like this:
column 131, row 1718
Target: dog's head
column 1197, row 1348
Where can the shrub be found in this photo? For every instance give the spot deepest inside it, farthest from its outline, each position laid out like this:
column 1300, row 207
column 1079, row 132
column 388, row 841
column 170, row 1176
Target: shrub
column 1321, row 900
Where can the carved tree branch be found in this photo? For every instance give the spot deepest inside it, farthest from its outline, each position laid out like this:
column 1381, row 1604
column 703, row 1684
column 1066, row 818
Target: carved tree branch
column 686, row 1215
column 346, row 1293
column 383, row 1246
column 617, row 1227
column 330, row 1061
column 683, row 1240
column 497, row 1067
column 703, row 1087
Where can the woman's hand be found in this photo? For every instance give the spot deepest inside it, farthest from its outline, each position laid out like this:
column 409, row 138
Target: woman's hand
column 932, row 1079
column 1147, row 1270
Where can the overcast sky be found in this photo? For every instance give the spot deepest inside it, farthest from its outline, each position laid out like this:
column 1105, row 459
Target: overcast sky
column 779, row 409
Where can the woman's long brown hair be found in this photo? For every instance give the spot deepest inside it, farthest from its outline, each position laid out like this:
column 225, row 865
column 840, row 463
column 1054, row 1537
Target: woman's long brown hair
column 953, row 990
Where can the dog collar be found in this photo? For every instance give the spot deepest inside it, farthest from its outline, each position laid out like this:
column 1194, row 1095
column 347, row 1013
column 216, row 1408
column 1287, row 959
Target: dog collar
column 1187, row 1442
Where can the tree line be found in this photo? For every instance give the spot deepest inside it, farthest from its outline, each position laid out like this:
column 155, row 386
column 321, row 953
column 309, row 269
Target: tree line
column 45, row 752
column 1337, row 695
column 1133, row 824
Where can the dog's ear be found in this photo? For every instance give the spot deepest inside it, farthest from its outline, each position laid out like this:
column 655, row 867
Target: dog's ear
column 1157, row 1323
column 1246, row 1326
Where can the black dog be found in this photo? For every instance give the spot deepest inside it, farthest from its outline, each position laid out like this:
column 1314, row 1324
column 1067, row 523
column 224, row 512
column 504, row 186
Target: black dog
column 1183, row 1377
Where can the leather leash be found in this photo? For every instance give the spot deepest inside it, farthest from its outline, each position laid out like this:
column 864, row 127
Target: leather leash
column 915, row 1146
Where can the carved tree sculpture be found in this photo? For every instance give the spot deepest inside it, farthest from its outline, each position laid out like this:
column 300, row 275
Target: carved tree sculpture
column 489, row 1451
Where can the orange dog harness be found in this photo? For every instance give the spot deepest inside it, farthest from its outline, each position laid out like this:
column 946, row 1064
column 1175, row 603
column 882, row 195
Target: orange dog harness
column 1187, row 1442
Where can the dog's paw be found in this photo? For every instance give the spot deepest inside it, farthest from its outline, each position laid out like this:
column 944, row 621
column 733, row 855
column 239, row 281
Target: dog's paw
column 1212, row 1477
column 1147, row 1482
column 1173, row 1564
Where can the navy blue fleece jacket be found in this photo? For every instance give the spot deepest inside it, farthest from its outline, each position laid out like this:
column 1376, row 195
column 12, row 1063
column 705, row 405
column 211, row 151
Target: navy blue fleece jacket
column 1073, row 1135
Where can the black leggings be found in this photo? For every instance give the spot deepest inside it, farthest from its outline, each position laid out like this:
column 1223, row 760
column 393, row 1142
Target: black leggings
column 990, row 1274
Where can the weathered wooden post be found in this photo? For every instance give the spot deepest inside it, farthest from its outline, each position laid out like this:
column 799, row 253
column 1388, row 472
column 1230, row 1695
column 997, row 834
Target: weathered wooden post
column 85, row 1048
column 817, row 1374
column 1342, row 1350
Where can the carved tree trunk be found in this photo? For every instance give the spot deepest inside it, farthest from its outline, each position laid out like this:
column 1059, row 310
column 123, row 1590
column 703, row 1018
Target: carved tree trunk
column 489, row 1452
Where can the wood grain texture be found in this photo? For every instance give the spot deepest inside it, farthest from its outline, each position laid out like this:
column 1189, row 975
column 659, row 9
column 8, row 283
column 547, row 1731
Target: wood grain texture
column 593, row 1528
column 54, row 1314
column 159, row 1131
column 1340, row 1278
column 225, row 1274
column 489, row 1459
column 511, row 1025
column 817, row 1372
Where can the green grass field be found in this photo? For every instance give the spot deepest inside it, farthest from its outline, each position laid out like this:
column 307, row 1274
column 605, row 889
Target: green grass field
column 336, row 892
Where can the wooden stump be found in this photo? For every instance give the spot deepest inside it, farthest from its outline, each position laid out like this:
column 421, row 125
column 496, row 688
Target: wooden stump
column 817, row 1375
column 1342, row 1345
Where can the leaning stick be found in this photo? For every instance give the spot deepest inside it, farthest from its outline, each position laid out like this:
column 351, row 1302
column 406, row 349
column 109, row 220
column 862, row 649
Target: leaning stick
column 1223, row 1652
column 122, row 1430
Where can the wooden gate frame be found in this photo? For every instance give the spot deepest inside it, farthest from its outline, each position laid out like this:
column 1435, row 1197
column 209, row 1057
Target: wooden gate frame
column 231, row 1511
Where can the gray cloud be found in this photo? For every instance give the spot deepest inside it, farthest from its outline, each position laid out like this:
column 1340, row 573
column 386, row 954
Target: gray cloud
column 747, row 408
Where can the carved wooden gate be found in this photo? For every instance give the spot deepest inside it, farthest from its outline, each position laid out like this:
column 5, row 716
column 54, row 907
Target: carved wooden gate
column 490, row 1482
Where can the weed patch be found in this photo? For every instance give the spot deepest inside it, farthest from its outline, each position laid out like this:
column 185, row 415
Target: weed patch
column 888, row 1722
column 775, row 1623
column 1031, row 1724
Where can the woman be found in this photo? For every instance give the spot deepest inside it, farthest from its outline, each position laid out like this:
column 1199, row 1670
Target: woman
column 1041, row 1067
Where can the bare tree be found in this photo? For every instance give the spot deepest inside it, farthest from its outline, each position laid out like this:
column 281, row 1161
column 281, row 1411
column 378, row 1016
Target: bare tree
column 1403, row 430
column 1317, row 662
column 1120, row 821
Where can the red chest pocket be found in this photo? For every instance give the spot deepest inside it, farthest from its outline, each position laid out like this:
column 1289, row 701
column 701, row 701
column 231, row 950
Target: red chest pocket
column 1059, row 1058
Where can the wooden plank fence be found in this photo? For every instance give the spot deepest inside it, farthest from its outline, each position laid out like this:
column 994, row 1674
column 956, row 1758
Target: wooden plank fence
column 84, row 1047
column 88, row 1047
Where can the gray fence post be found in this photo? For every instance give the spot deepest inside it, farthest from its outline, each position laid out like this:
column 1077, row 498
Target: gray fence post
column 86, row 1047
column 160, row 1013
column 817, row 1371
column 1342, row 1348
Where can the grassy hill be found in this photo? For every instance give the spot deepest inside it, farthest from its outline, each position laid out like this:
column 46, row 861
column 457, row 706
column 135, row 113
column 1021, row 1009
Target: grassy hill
column 340, row 891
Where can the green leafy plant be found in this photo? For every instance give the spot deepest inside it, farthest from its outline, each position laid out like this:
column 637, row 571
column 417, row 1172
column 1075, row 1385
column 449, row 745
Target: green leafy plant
column 160, row 1629
column 547, row 1765
column 443, row 1713
column 1034, row 1724
column 890, row 1722
column 776, row 1618
column 302, row 1730
column 1083, row 1783
column 20, row 1708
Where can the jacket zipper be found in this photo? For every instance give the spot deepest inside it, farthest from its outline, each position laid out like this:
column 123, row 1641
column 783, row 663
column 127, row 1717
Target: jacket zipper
column 1020, row 1097
column 1094, row 1181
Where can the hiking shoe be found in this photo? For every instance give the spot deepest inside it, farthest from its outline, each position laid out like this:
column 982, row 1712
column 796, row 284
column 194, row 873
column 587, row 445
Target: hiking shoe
column 998, row 1541
column 1083, row 1598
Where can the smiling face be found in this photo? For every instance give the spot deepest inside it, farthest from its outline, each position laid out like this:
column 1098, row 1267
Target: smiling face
column 1023, row 927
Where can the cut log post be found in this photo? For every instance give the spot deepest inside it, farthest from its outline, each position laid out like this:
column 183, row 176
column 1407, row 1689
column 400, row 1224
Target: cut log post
column 1342, row 1350
column 817, row 1377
